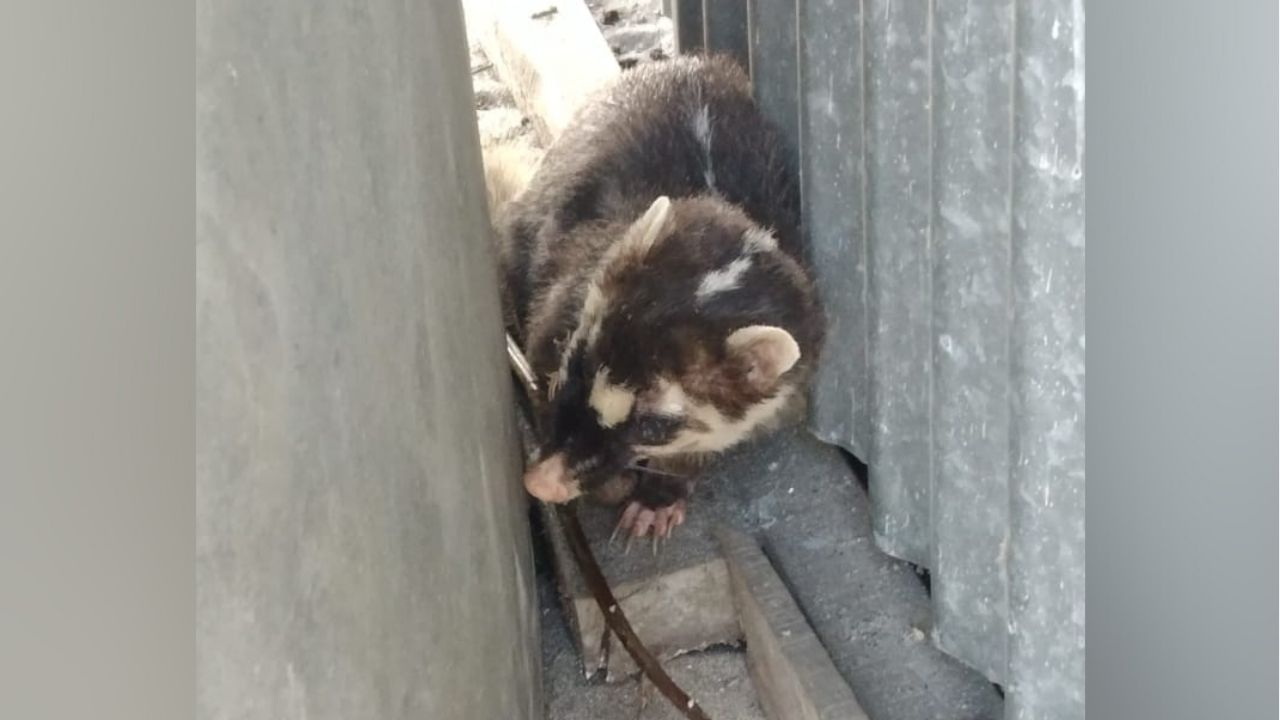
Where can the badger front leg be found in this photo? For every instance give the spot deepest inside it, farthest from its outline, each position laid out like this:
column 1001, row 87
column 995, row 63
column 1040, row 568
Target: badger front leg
column 656, row 503
column 659, row 500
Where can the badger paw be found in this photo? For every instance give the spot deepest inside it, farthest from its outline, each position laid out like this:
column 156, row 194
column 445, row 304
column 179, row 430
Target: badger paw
column 637, row 520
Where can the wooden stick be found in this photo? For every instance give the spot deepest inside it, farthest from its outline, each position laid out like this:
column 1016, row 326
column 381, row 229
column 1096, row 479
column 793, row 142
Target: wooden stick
column 615, row 619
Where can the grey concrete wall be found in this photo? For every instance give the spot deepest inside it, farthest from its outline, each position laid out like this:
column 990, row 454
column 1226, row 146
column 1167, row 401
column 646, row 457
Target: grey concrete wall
column 362, row 549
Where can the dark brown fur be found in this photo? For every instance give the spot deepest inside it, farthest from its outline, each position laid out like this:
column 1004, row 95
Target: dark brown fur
column 688, row 130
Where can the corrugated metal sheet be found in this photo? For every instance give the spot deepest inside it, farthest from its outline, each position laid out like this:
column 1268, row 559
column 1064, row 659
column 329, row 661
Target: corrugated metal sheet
column 941, row 152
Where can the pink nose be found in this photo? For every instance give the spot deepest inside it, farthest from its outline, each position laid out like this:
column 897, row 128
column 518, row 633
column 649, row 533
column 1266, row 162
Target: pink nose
column 550, row 481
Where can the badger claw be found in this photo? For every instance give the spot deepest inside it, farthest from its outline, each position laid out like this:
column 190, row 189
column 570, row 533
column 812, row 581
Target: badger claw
column 638, row 520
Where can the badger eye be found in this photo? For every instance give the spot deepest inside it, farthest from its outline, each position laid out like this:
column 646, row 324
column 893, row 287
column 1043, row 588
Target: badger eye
column 654, row 429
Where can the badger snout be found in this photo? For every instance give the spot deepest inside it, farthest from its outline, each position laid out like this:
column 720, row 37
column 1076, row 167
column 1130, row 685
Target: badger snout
column 550, row 480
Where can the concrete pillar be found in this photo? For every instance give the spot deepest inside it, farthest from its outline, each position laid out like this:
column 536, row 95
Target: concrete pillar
column 362, row 547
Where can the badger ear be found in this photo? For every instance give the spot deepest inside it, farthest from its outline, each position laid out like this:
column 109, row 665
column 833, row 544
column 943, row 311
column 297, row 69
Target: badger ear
column 766, row 351
column 645, row 231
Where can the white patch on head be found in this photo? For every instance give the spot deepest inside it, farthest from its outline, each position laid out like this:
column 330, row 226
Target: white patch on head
column 702, row 132
column 759, row 240
column 724, row 279
column 612, row 403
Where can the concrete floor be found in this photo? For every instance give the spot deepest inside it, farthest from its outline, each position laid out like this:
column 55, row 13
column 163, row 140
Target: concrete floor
column 803, row 501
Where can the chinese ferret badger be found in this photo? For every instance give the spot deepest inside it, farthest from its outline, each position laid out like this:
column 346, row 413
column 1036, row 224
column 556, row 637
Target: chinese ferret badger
column 654, row 273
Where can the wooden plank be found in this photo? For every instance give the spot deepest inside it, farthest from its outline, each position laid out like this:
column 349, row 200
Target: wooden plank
column 792, row 672
column 677, row 601
column 549, row 52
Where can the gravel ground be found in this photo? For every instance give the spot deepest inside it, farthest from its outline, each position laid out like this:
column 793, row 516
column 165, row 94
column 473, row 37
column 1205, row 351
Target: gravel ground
column 500, row 121
column 636, row 31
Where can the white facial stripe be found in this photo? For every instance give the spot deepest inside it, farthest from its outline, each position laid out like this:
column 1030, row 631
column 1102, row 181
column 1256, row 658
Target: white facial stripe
column 588, row 328
column 722, row 433
column 728, row 433
column 724, row 279
column 612, row 403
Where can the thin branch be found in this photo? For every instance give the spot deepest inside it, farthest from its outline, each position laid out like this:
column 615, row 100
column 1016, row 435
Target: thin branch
column 653, row 471
column 616, row 619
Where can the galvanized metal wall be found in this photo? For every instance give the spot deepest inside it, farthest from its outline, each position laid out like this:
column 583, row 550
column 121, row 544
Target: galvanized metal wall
column 941, row 150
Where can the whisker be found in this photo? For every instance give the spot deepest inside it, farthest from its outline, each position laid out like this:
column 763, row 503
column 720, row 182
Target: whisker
column 653, row 471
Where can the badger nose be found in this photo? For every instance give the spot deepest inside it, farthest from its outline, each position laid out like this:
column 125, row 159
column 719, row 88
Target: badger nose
column 550, row 480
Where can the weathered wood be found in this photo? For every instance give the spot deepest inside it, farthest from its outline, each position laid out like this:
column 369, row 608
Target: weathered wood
column 617, row 619
column 792, row 672
column 678, row 601
column 549, row 52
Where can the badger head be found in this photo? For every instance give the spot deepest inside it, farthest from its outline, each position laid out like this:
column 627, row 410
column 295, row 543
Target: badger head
column 695, row 331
